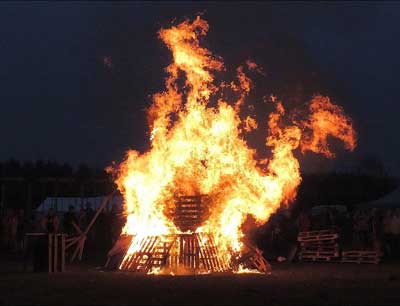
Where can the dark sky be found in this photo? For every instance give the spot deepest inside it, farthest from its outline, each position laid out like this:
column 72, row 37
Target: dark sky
column 61, row 102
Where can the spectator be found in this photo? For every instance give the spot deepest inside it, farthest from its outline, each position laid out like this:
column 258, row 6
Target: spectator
column 333, row 218
column 395, row 231
column 346, row 227
column 5, row 236
column 304, row 222
column 82, row 219
column 13, row 225
column 325, row 220
column 20, row 230
column 377, row 230
column 69, row 219
column 117, row 222
column 89, row 214
column 387, row 232
column 361, row 228
column 50, row 222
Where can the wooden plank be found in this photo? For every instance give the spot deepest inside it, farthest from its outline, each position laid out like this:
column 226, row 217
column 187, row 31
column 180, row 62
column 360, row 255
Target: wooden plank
column 50, row 252
column 210, row 258
column 314, row 233
column 331, row 254
column 181, row 251
column 361, row 261
column 62, row 253
column 76, row 227
column 359, row 253
column 82, row 245
column 55, row 253
column 318, row 238
column 212, row 252
column 147, row 264
column 72, row 242
column 320, row 242
column 321, row 259
column 203, row 258
column 75, row 252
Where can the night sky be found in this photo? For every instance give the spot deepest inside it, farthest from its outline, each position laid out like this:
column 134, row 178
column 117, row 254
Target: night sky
column 76, row 77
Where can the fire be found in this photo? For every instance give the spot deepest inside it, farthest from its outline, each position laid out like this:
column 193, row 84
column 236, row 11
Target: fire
column 327, row 119
column 198, row 147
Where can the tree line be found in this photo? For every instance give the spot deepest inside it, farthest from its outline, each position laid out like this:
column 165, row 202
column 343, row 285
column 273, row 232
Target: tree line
column 331, row 188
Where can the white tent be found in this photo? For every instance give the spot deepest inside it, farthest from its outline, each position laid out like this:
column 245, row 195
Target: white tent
column 62, row 204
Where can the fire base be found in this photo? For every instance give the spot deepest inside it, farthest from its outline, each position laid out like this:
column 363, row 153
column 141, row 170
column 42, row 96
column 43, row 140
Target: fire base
column 193, row 253
column 180, row 254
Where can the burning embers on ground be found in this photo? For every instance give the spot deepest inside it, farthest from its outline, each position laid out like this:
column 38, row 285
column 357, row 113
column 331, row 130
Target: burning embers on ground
column 199, row 155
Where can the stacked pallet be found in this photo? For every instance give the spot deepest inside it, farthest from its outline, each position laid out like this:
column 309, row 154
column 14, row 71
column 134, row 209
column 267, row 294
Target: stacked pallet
column 189, row 212
column 252, row 258
column 361, row 256
column 319, row 245
column 152, row 253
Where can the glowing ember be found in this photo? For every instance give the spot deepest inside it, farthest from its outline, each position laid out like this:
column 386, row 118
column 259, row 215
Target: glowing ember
column 199, row 149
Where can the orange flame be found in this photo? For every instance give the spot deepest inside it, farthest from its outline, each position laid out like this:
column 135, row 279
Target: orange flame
column 327, row 119
column 197, row 148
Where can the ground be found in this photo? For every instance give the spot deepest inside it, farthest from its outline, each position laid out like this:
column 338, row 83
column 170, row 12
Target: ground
column 288, row 284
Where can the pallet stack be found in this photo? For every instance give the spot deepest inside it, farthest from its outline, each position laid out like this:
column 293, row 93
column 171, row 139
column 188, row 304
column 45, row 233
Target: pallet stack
column 194, row 252
column 319, row 245
column 361, row 256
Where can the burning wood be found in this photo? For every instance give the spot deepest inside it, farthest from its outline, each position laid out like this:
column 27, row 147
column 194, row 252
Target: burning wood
column 199, row 147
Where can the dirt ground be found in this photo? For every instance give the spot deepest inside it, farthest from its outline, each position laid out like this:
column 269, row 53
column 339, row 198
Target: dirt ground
column 288, row 284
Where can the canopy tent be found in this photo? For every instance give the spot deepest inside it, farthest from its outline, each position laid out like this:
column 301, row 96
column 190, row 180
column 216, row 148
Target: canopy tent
column 62, row 204
column 390, row 200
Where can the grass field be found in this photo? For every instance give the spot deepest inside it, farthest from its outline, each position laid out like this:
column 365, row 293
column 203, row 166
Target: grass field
column 288, row 284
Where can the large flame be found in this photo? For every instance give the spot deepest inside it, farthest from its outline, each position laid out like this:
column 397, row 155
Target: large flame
column 199, row 148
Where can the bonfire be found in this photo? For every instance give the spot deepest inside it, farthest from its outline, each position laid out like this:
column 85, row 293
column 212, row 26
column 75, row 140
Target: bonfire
column 187, row 197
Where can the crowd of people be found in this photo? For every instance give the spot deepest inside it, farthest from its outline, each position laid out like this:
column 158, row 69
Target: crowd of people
column 360, row 229
column 14, row 225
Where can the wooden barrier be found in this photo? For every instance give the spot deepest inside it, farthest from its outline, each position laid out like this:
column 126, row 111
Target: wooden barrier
column 56, row 246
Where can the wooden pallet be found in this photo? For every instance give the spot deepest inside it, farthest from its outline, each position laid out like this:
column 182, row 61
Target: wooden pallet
column 161, row 252
column 334, row 248
column 362, row 260
column 320, row 259
column 316, row 233
column 251, row 258
column 360, row 253
column 361, row 256
column 192, row 252
column 208, row 252
column 189, row 256
column 328, row 243
column 189, row 212
column 320, row 254
column 139, row 260
column 322, row 235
